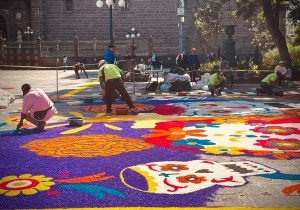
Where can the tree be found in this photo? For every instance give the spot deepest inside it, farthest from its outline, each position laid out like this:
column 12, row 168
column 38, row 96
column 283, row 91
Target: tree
column 207, row 20
column 294, row 11
column 271, row 12
column 261, row 36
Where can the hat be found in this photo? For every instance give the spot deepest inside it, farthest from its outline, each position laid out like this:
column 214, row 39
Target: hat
column 281, row 62
column 102, row 62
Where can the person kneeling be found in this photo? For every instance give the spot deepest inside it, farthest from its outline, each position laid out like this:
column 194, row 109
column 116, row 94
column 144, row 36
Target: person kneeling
column 216, row 83
column 37, row 107
column 268, row 83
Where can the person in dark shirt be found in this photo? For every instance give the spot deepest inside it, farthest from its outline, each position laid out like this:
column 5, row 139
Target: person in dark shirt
column 109, row 54
column 194, row 64
column 182, row 60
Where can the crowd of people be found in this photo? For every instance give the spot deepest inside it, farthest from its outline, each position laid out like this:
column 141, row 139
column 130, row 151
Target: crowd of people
column 38, row 108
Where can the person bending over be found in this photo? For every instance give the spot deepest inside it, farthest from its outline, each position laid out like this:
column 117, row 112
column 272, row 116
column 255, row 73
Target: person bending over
column 110, row 77
column 216, row 83
column 268, row 83
column 37, row 107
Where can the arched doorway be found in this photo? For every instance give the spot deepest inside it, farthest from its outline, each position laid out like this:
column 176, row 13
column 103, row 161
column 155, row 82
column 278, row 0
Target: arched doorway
column 3, row 27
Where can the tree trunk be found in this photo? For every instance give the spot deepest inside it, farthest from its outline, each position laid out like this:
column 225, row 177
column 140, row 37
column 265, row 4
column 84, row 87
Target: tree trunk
column 273, row 27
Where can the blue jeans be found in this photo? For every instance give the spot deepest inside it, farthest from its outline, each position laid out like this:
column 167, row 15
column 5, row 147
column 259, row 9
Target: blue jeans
column 219, row 87
column 266, row 88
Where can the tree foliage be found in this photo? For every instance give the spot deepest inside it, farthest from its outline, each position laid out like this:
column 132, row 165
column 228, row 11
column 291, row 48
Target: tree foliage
column 207, row 20
column 293, row 6
column 271, row 10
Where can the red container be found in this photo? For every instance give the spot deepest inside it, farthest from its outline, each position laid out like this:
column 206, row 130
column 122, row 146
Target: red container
column 181, row 94
column 121, row 111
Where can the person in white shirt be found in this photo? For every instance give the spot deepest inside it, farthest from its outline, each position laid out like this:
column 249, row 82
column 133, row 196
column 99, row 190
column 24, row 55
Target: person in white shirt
column 280, row 68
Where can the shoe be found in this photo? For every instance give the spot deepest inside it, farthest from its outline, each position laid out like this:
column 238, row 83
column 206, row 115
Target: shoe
column 258, row 91
column 133, row 111
column 107, row 114
column 41, row 125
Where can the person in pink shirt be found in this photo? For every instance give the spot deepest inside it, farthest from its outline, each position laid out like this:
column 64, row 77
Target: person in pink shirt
column 37, row 107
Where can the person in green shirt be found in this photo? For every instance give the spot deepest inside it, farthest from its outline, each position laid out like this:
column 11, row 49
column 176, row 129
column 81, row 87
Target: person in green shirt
column 216, row 83
column 268, row 83
column 110, row 78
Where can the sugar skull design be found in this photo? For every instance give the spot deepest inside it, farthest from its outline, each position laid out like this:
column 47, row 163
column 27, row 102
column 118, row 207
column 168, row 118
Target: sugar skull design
column 176, row 177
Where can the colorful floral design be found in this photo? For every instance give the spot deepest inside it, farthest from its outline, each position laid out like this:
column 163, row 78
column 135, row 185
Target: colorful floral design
column 223, row 150
column 281, row 144
column 175, row 133
column 284, row 131
column 174, row 167
column 281, row 155
column 169, row 110
column 203, row 125
column 191, row 179
column 86, row 146
column 194, row 143
column 26, row 184
column 102, row 108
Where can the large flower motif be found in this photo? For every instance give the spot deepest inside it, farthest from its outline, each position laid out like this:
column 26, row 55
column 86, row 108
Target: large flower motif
column 223, row 150
column 191, row 179
column 281, row 144
column 175, row 133
column 174, row 167
column 193, row 143
column 25, row 183
column 279, row 130
column 87, row 146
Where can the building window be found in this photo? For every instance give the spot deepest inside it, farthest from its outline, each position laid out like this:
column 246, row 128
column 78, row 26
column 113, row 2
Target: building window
column 69, row 5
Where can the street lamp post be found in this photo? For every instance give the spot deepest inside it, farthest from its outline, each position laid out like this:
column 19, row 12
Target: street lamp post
column 180, row 13
column 110, row 4
column 132, row 35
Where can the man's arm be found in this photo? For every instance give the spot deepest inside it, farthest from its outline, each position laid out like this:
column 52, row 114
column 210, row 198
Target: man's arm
column 20, row 124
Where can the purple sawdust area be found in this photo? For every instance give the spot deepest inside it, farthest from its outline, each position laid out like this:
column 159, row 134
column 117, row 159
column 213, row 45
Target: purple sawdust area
column 112, row 192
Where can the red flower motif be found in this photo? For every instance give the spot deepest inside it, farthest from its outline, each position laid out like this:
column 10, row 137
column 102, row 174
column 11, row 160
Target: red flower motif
column 173, row 167
column 279, row 130
column 191, row 179
column 280, row 144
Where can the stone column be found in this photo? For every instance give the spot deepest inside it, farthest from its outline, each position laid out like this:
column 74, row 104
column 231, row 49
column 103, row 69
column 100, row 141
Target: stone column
column 2, row 41
column 229, row 46
column 76, row 46
column 150, row 46
column 39, row 46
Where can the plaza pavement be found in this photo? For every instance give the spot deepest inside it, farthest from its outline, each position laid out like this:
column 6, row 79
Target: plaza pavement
column 258, row 193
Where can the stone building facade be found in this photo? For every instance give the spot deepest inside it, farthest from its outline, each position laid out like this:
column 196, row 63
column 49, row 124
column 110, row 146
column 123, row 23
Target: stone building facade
column 63, row 19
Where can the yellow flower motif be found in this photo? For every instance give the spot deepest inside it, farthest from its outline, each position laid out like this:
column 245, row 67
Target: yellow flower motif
column 25, row 183
column 221, row 150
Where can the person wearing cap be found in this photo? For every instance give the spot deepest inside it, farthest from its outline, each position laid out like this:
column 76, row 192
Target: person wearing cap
column 216, row 83
column 110, row 78
column 109, row 54
column 268, row 83
column 280, row 68
column 194, row 63
column 37, row 107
